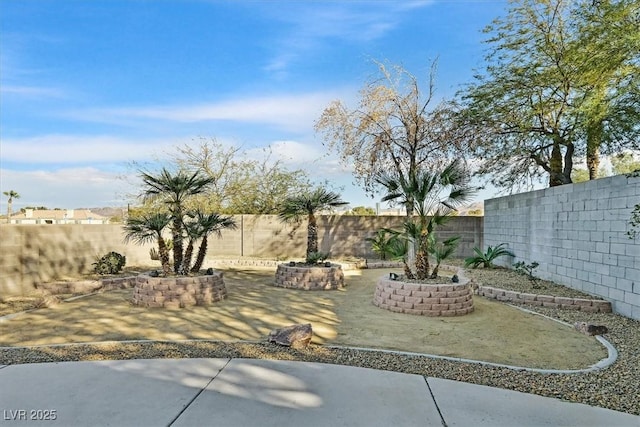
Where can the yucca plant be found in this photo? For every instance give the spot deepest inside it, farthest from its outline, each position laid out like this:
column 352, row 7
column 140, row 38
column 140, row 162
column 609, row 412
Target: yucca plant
column 486, row 259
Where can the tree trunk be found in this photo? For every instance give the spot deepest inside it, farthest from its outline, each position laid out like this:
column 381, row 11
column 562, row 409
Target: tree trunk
column 560, row 166
column 312, row 235
column 164, row 256
column 594, row 138
column 422, row 260
column 555, row 166
column 434, row 273
column 186, row 260
column 407, row 271
column 202, row 251
column 177, row 244
column 9, row 209
column 411, row 244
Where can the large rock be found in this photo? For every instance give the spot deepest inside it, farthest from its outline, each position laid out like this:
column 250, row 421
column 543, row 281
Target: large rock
column 292, row 336
column 589, row 329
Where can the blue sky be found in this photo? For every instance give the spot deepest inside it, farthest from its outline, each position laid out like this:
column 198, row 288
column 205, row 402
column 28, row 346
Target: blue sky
column 87, row 87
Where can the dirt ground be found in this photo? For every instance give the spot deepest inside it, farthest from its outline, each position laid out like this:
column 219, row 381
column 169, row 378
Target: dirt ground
column 494, row 332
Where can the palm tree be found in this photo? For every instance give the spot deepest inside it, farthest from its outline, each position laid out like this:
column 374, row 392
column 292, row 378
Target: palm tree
column 442, row 251
column 174, row 190
column 11, row 195
column 210, row 223
column 193, row 232
column 147, row 228
column 308, row 204
column 434, row 195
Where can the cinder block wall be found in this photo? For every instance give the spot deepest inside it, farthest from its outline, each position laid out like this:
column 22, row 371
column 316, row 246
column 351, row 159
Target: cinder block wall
column 32, row 254
column 578, row 235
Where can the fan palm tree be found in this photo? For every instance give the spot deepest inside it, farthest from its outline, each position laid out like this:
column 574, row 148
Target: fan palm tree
column 442, row 251
column 434, row 195
column 209, row 224
column 147, row 228
column 308, row 204
column 174, row 190
column 11, row 195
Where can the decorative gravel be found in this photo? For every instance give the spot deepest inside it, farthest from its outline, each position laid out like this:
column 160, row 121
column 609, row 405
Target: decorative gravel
column 616, row 387
column 510, row 280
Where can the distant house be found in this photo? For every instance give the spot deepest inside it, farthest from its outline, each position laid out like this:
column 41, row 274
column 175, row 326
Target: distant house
column 58, row 216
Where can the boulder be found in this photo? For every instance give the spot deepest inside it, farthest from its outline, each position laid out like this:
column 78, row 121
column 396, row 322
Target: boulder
column 292, row 336
column 590, row 329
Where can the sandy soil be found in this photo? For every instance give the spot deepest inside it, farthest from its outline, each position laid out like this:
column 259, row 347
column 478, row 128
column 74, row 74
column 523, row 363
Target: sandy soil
column 494, row 332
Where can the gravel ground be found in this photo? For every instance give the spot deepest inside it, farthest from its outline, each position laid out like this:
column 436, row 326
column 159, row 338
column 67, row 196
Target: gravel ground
column 614, row 388
column 512, row 281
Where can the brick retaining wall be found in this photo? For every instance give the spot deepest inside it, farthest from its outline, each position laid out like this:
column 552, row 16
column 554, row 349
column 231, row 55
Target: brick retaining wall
column 178, row 292
column 310, row 278
column 453, row 299
column 582, row 304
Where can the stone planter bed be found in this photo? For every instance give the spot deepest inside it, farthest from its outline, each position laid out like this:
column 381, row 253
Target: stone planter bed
column 178, row 292
column 254, row 262
column 582, row 304
column 433, row 300
column 310, row 278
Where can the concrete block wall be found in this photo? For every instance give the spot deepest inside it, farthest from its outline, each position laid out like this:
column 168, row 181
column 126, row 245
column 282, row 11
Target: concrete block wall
column 577, row 233
column 38, row 253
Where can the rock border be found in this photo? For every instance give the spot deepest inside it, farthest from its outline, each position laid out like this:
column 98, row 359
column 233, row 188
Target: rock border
column 236, row 262
column 178, row 292
column 566, row 303
column 432, row 300
column 310, row 278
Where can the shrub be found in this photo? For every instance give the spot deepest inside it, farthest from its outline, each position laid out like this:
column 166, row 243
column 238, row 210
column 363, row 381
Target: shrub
column 486, row 259
column 526, row 269
column 381, row 244
column 111, row 263
column 316, row 257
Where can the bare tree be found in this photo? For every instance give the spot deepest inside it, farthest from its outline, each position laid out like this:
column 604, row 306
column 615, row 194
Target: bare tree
column 395, row 128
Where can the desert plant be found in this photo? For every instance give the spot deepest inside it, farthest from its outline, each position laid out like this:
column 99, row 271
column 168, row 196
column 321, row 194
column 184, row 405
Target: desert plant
column 526, row 269
column 433, row 196
column 147, row 228
column 173, row 190
column 442, row 251
column 308, row 204
column 208, row 224
column 316, row 257
column 380, row 243
column 11, row 194
column 111, row 263
column 486, row 259
column 397, row 250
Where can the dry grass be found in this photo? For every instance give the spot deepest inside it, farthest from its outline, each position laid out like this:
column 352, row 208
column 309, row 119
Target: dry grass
column 494, row 332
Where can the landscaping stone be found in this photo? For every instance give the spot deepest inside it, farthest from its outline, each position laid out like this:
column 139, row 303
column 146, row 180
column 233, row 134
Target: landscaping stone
column 431, row 300
column 310, row 277
column 292, row 336
column 590, row 329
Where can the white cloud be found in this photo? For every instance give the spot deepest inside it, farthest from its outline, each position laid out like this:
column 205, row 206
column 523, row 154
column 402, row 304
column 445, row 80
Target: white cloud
column 64, row 188
column 31, row 91
column 309, row 26
column 290, row 112
column 58, row 148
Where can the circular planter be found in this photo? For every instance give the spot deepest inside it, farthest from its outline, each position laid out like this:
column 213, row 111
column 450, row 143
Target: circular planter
column 310, row 277
column 178, row 292
column 446, row 299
